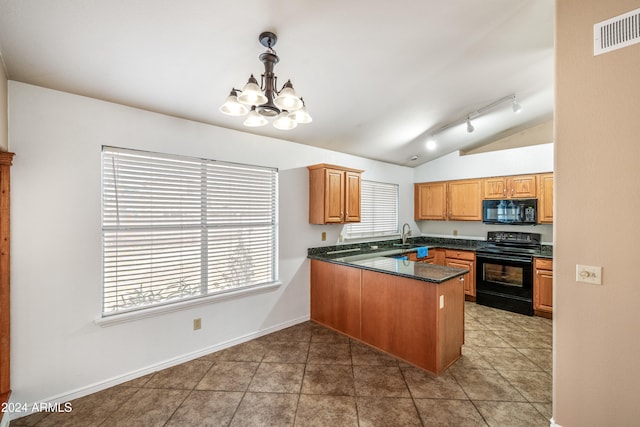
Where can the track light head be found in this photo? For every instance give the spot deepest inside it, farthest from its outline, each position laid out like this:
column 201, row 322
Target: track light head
column 470, row 127
column 515, row 106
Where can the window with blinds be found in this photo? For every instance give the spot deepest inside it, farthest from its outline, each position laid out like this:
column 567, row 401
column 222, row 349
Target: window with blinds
column 378, row 211
column 176, row 228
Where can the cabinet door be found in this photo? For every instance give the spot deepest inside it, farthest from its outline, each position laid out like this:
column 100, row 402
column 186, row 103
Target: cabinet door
column 469, row 278
column 523, row 186
column 494, row 188
column 543, row 287
column 543, row 291
column 465, row 200
column 545, row 198
column 352, row 197
column 333, row 196
column 322, row 278
column 430, row 201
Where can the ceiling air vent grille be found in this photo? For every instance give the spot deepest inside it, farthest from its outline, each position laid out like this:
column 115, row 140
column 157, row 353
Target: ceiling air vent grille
column 616, row 33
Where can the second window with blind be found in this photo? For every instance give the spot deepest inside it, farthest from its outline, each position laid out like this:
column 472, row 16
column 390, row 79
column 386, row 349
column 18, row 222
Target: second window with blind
column 378, row 210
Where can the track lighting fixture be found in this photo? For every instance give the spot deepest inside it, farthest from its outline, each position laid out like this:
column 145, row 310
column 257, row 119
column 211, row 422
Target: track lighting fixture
column 470, row 127
column 515, row 106
column 265, row 100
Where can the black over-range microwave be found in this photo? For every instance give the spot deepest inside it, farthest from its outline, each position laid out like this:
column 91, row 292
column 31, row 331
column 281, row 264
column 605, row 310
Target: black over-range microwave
column 514, row 211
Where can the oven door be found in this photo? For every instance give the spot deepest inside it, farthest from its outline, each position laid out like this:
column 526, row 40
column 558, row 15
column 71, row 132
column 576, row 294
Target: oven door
column 505, row 282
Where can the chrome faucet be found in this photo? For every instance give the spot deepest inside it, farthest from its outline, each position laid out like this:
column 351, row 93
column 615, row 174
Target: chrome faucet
column 405, row 234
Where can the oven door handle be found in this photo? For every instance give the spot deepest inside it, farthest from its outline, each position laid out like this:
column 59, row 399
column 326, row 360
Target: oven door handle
column 480, row 257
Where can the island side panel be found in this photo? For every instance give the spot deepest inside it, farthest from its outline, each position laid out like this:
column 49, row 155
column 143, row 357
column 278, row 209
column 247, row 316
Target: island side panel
column 450, row 323
column 322, row 274
column 347, row 300
column 335, row 297
column 399, row 317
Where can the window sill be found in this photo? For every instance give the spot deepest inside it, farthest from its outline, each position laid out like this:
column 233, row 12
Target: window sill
column 132, row 316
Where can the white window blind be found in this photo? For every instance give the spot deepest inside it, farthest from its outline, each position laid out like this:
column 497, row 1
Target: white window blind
column 378, row 211
column 177, row 228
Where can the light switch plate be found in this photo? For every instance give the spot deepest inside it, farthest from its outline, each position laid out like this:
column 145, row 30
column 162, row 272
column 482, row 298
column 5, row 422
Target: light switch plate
column 441, row 301
column 589, row 274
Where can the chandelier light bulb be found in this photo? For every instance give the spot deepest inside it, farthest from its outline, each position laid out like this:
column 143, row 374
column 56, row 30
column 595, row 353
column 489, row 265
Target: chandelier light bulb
column 232, row 107
column 301, row 116
column 284, row 121
column 251, row 93
column 287, row 99
column 254, row 119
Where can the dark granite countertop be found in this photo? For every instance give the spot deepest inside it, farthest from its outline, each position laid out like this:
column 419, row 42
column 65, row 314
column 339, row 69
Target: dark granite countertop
column 376, row 256
column 382, row 261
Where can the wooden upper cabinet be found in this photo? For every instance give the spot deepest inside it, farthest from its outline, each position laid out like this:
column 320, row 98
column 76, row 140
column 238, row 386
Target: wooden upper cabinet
column 545, row 198
column 465, row 200
column 494, row 188
column 510, row 187
column 352, row 196
column 334, row 194
column 454, row 200
column 430, row 200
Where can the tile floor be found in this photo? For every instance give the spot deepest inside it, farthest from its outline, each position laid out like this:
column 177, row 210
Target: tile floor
column 307, row 375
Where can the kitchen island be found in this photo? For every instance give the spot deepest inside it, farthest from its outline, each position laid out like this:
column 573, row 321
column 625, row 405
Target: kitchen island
column 413, row 311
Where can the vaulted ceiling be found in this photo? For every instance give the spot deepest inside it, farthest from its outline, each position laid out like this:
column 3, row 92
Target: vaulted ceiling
column 377, row 76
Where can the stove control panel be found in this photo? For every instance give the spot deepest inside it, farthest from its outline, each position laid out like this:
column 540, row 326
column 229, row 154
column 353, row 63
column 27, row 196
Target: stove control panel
column 513, row 237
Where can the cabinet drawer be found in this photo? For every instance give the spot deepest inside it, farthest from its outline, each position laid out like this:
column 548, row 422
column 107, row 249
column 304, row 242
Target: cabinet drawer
column 469, row 256
column 544, row 264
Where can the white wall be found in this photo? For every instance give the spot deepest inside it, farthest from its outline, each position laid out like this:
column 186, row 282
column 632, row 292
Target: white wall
column 515, row 161
column 57, row 350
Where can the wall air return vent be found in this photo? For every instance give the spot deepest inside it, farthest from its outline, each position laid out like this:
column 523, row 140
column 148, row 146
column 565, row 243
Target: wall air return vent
column 616, row 33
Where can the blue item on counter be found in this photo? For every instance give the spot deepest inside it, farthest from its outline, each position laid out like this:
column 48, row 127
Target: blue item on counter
column 401, row 257
column 422, row 252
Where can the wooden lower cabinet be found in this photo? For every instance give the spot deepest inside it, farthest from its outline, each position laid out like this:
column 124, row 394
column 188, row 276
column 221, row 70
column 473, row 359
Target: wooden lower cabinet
column 435, row 256
column 543, row 287
column 398, row 315
column 467, row 260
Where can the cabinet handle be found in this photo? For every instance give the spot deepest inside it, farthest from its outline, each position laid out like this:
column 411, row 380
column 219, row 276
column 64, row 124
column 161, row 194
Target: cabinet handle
column 512, row 191
column 504, row 191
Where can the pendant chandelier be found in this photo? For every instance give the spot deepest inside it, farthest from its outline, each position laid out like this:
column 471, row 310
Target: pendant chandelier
column 265, row 101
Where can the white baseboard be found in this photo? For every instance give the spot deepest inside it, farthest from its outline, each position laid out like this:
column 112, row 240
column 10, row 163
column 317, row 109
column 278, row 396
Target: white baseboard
column 102, row 385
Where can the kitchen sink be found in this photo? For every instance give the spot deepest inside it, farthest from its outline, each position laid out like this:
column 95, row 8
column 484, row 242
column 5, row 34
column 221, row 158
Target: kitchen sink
column 406, row 245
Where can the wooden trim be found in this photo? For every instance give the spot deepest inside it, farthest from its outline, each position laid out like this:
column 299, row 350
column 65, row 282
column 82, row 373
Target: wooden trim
column 328, row 166
column 5, row 275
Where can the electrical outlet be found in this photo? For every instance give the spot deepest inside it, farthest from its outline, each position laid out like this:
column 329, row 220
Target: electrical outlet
column 324, row 236
column 197, row 324
column 455, row 232
column 589, row 274
column 441, row 301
